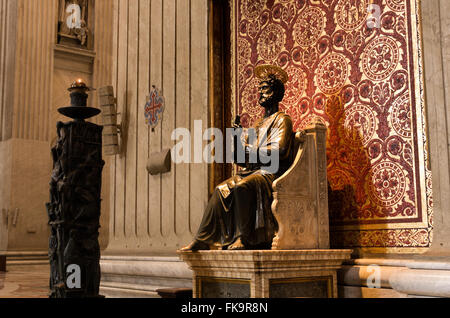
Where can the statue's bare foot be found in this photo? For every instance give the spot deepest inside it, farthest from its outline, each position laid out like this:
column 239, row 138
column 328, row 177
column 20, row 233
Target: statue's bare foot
column 237, row 245
column 195, row 246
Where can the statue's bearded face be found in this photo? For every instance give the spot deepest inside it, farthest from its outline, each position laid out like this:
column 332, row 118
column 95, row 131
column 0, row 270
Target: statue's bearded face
column 271, row 92
column 266, row 94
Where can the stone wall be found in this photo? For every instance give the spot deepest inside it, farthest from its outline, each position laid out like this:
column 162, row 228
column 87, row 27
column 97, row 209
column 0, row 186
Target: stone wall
column 8, row 10
column 435, row 19
column 34, row 76
column 161, row 43
column 426, row 274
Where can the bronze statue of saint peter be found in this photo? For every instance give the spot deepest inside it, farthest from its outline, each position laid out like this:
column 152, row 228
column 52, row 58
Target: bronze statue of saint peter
column 238, row 215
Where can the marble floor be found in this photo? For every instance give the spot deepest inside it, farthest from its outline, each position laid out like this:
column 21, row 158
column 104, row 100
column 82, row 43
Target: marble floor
column 30, row 281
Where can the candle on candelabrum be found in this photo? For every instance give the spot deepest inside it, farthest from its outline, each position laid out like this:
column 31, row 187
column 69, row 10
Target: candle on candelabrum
column 78, row 110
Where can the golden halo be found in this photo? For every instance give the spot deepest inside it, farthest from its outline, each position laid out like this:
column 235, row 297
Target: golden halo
column 263, row 72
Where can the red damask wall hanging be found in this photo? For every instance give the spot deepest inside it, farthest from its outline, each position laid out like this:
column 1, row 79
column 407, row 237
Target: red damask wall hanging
column 365, row 82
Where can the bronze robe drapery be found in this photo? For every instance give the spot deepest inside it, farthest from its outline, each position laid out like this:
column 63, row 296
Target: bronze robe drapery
column 241, row 205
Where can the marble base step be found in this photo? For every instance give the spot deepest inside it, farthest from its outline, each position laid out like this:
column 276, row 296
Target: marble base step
column 19, row 258
column 142, row 276
column 127, row 290
column 418, row 276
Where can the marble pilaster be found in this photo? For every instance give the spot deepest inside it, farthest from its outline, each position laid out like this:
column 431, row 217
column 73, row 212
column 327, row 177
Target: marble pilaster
column 436, row 47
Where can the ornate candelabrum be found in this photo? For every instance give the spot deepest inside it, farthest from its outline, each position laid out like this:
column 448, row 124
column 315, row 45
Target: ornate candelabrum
column 74, row 207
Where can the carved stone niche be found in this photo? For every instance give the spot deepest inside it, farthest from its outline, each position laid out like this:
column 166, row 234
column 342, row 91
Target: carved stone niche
column 76, row 23
column 300, row 202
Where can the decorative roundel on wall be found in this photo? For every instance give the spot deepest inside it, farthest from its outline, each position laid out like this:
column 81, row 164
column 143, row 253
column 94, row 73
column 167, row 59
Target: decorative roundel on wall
column 401, row 116
column 271, row 42
column 396, row 5
column 309, row 26
column 359, row 124
column 244, row 51
column 250, row 98
column 252, row 9
column 332, row 73
column 388, row 183
column 351, row 14
column 380, row 58
column 154, row 108
column 296, row 87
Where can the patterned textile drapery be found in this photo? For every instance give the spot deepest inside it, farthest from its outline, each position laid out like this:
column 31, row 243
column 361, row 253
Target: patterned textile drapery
column 365, row 82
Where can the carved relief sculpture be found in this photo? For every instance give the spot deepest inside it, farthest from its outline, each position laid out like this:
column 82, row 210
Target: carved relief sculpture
column 73, row 26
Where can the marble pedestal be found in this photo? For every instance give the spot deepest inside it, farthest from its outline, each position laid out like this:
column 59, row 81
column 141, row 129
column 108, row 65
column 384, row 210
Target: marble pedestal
column 265, row 273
